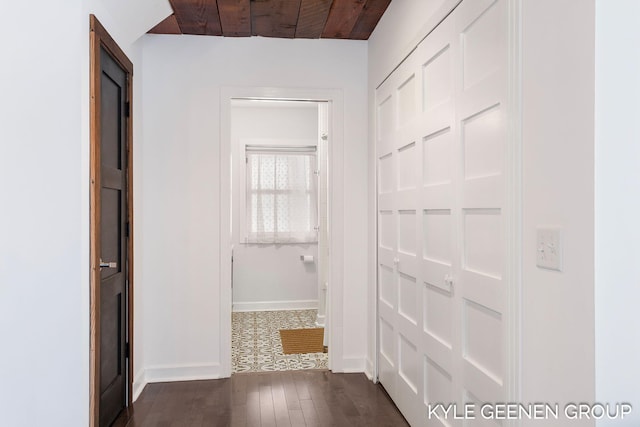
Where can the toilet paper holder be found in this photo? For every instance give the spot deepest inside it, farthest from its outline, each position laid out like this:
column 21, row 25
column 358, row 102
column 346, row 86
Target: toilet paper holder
column 306, row 258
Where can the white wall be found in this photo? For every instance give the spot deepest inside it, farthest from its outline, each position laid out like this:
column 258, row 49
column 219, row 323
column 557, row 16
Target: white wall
column 558, row 176
column 127, row 21
column 183, row 79
column 617, row 205
column 44, row 306
column 270, row 276
column 44, row 175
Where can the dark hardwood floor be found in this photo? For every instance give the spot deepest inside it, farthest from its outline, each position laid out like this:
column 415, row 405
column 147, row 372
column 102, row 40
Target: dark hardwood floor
column 292, row 398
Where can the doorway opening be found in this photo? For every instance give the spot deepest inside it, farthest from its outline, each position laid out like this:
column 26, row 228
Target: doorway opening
column 280, row 234
column 334, row 100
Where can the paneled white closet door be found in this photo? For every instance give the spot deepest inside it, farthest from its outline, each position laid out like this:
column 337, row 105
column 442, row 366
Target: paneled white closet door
column 441, row 150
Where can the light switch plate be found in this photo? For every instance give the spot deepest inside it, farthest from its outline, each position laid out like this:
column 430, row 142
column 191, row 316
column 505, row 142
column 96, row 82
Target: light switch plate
column 549, row 249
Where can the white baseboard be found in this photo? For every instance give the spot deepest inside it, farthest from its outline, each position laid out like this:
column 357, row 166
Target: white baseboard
column 275, row 305
column 168, row 373
column 350, row 365
column 139, row 382
column 368, row 371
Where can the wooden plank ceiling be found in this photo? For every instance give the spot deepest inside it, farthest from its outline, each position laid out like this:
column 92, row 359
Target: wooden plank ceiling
column 309, row 19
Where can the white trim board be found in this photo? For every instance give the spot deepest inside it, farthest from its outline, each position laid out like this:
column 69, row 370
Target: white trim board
column 351, row 365
column 139, row 383
column 514, row 204
column 274, row 305
column 171, row 373
column 369, row 370
column 335, row 296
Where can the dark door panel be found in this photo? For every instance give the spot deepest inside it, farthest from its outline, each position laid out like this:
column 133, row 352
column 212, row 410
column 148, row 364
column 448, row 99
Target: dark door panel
column 113, row 239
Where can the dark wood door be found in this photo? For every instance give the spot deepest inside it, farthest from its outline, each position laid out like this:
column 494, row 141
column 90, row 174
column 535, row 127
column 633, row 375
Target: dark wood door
column 113, row 239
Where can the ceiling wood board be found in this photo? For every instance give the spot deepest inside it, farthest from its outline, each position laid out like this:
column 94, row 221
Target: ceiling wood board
column 198, row 17
column 235, row 17
column 343, row 17
column 168, row 26
column 368, row 19
column 275, row 18
column 310, row 19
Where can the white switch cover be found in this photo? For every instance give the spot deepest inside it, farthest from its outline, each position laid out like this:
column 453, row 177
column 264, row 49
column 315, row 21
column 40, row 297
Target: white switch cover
column 549, row 249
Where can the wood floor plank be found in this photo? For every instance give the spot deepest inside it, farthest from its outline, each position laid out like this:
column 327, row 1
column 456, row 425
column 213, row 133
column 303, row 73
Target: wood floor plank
column 301, row 386
column 344, row 401
column 239, row 417
column 280, row 401
column 311, row 418
column 325, row 404
column 253, row 402
column 267, row 413
column 217, row 404
column 291, row 399
column 239, row 390
column 296, row 417
column 290, row 391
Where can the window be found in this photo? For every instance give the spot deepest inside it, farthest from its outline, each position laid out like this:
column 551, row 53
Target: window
column 281, row 195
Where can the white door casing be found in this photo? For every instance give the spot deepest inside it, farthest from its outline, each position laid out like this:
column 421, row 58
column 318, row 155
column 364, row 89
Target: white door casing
column 323, row 253
column 334, row 316
column 444, row 208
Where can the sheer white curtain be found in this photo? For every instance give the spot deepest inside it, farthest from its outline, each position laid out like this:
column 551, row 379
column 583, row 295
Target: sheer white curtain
column 281, row 197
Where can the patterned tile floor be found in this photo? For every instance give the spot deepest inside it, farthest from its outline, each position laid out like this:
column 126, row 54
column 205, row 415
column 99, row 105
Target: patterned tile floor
column 256, row 345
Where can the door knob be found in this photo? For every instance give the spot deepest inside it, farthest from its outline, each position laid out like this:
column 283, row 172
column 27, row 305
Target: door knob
column 448, row 279
column 108, row 264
